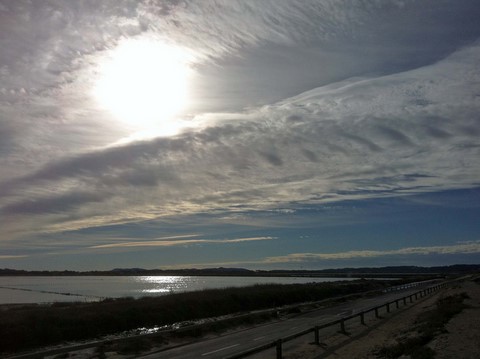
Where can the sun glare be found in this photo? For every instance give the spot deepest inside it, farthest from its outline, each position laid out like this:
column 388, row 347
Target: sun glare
column 144, row 84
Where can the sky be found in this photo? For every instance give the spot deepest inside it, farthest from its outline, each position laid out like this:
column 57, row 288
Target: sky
column 262, row 134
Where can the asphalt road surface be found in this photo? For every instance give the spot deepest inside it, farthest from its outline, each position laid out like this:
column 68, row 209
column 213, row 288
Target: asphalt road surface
column 237, row 342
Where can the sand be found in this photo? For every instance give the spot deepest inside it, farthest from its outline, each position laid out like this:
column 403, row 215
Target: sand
column 461, row 341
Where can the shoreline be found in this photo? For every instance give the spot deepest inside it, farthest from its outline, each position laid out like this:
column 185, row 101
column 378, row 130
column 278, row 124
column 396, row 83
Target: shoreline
column 44, row 290
column 26, row 327
column 365, row 272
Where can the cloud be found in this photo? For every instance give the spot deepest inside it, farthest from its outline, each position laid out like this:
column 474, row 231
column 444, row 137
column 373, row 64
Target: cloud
column 166, row 243
column 363, row 138
column 469, row 248
column 12, row 256
column 70, row 38
column 53, row 204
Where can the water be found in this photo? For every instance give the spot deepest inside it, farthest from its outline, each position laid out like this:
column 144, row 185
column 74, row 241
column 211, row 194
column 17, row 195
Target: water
column 93, row 288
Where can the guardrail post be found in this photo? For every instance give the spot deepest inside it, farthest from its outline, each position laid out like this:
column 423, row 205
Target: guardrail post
column 416, row 296
column 411, row 298
column 362, row 318
column 342, row 326
column 396, row 303
column 388, row 307
column 317, row 335
column 279, row 348
column 376, row 313
column 404, row 300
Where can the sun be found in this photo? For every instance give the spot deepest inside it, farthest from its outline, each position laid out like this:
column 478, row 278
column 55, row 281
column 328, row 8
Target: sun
column 144, row 84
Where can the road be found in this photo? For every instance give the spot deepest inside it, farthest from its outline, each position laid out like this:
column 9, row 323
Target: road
column 236, row 342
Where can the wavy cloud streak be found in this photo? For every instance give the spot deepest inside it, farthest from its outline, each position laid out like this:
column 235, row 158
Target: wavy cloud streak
column 471, row 248
column 165, row 243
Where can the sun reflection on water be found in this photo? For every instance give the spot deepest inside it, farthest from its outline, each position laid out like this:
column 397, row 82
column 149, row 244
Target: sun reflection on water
column 164, row 284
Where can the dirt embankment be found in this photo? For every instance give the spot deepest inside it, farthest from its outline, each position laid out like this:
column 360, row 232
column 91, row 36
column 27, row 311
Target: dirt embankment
column 458, row 338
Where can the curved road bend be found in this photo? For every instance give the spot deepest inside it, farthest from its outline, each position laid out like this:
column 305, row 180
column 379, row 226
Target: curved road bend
column 243, row 340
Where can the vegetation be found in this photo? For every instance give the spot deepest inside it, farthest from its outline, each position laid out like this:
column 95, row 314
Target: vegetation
column 428, row 325
column 29, row 326
column 396, row 271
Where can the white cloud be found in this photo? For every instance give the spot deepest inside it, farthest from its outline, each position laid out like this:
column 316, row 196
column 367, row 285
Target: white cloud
column 180, row 242
column 391, row 135
column 471, row 248
column 413, row 131
column 12, row 256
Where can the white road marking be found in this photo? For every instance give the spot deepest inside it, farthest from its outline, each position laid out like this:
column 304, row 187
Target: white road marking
column 219, row 350
column 258, row 338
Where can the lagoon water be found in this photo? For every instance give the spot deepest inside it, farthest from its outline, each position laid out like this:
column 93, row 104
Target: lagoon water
column 93, row 288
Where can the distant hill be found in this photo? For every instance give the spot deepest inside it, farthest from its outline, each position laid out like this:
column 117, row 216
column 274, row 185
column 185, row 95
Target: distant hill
column 391, row 271
column 397, row 271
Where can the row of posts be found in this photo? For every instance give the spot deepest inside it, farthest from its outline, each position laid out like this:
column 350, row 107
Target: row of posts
column 278, row 343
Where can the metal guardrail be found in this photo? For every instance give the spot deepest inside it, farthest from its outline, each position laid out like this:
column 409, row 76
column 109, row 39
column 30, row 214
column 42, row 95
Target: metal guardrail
column 340, row 322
